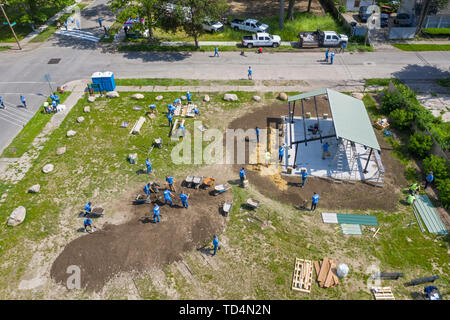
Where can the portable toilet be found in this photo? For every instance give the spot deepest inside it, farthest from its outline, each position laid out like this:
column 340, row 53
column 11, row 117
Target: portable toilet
column 108, row 81
column 97, row 80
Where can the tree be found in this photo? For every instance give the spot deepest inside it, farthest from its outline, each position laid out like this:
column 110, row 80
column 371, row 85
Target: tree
column 197, row 11
column 290, row 11
column 151, row 10
column 429, row 6
column 281, row 17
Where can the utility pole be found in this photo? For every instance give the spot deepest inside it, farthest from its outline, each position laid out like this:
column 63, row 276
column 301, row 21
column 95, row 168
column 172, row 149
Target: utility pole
column 281, row 17
column 10, row 26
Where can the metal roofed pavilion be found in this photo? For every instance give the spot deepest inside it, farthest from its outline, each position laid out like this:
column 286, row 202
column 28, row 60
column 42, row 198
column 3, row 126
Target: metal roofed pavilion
column 350, row 118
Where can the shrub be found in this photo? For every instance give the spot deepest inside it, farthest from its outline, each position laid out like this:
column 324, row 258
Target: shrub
column 439, row 166
column 342, row 9
column 420, row 144
column 401, row 118
column 391, row 101
column 444, row 192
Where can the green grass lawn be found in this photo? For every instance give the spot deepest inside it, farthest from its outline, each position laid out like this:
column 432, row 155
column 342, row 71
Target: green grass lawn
column 4, row 48
column 179, row 82
column 303, row 21
column 23, row 140
column 7, row 36
column 422, row 47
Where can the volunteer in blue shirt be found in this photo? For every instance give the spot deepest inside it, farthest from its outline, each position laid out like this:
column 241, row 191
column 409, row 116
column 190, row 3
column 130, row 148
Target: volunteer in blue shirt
column 148, row 164
column 304, row 174
column 170, row 180
column 315, row 200
column 188, row 96
column 87, row 208
column 429, row 179
column 155, row 213
column 215, row 244
column 242, row 175
column 167, row 197
column 280, row 153
column 2, row 104
column 88, row 223
column 325, row 150
column 257, row 134
column 184, row 199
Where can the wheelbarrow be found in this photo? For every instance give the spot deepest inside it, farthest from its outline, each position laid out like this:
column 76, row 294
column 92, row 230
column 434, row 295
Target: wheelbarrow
column 141, row 199
column 226, row 208
column 188, row 181
column 221, row 188
column 208, row 182
column 252, row 203
column 196, row 182
column 158, row 143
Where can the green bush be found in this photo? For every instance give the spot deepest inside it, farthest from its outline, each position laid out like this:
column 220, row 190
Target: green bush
column 401, row 118
column 420, row 144
column 342, row 9
column 391, row 101
column 436, row 31
column 444, row 192
column 439, row 166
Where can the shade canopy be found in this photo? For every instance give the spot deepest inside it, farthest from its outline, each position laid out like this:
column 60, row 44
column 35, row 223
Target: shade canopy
column 350, row 118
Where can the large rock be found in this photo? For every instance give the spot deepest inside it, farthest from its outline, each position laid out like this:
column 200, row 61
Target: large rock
column 48, row 168
column 91, row 99
column 80, row 119
column 206, row 98
column 230, row 97
column 283, row 96
column 183, row 98
column 358, row 95
column 158, row 98
column 112, row 94
column 71, row 133
column 257, row 98
column 61, row 151
column 138, row 96
column 17, row 216
column 35, row 189
column 87, row 109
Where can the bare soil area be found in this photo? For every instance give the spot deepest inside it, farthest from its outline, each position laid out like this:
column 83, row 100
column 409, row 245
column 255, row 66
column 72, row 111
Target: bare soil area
column 139, row 244
column 337, row 196
column 265, row 8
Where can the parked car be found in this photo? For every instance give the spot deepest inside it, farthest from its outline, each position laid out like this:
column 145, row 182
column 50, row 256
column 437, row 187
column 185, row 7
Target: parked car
column 261, row 39
column 403, row 20
column 212, row 26
column 364, row 13
column 251, row 25
column 321, row 38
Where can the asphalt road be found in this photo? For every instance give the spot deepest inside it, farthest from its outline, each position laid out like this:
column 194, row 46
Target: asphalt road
column 23, row 72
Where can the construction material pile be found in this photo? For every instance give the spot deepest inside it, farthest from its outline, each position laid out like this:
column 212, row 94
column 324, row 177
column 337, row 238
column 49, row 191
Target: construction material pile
column 303, row 272
column 326, row 273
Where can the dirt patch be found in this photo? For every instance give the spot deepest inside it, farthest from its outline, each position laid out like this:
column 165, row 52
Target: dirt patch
column 139, row 244
column 267, row 8
column 335, row 196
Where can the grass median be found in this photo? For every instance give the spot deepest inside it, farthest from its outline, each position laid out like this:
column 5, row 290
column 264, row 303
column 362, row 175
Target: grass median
column 422, row 47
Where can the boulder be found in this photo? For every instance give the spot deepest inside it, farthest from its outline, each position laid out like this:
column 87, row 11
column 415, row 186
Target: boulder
column 183, row 98
column 17, row 216
column 138, row 96
column 283, row 96
column 91, row 99
column 48, row 168
column 230, row 97
column 34, row 189
column 158, row 98
column 256, row 98
column 112, row 94
column 87, row 109
column 80, row 119
column 358, row 95
column 61, row 151
column 71, row 133
column 206, row 98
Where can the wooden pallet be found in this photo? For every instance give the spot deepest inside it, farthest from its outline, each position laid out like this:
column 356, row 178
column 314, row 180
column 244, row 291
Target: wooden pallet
column 303, row 273
column 383, row 293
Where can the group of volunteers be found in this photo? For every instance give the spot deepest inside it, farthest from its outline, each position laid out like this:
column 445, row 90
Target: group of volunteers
column 52, row 108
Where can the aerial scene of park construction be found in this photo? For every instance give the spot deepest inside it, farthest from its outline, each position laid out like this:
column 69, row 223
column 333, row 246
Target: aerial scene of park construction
column 225, row 150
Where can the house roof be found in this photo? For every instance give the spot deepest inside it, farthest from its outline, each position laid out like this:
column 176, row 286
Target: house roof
column 350, row 118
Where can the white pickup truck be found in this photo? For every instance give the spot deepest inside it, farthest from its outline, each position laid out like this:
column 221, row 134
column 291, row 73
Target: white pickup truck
column 261, row 39
column 319, row 38
column 249, row 25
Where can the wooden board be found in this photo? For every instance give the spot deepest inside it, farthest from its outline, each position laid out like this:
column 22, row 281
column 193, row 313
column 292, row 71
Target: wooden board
column 383, row 293
column 302, row 278
column 323, row 270
column 317, row 267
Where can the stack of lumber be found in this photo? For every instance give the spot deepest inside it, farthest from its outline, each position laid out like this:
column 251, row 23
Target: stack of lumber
column 303, row 273
column 326, row 273
column 383, row 293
